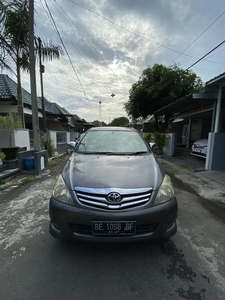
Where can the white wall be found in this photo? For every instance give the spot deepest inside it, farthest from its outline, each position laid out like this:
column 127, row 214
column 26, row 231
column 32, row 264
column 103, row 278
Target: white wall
column 28, row 111
column 13, row 109
column 68, row 136
column 22, row 138
column 169, row 148
column 4, row 138
column 8, row 108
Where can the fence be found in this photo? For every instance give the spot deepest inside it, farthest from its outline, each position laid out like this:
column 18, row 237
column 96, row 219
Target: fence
column 59, row 139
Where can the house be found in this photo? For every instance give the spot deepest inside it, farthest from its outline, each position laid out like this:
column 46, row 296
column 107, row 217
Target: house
column 145, row 125
column 198, row 116
column 62, row 125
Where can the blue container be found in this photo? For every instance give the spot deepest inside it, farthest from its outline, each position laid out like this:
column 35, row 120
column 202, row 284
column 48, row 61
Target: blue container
column 29, row 163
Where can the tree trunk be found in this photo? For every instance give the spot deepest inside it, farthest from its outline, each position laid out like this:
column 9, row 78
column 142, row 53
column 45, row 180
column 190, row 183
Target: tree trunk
column 20, row 97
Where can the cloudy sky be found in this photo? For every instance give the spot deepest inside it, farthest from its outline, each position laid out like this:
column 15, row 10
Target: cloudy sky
column 108, row 59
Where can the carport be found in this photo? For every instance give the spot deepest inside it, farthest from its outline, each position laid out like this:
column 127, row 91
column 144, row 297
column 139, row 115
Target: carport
column 198, row 116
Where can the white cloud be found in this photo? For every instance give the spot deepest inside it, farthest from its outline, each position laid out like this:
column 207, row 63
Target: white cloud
column 171, row 23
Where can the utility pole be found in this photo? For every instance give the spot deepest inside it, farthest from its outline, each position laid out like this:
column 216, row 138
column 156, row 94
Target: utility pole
column 42, row 70
column 100, row 113
column 35, row 120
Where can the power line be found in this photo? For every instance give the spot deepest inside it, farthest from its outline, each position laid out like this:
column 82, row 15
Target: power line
column 74, row 69
column 136, row 34
column 81, row 55
column 84, row 58
column 75, row 48
column 217, row 52
column 206, row 55
column 90, row 44
column 199, row 36
column 219, row 45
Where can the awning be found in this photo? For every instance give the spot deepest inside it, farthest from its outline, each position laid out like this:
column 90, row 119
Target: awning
column 189, row 103
column 178, row 120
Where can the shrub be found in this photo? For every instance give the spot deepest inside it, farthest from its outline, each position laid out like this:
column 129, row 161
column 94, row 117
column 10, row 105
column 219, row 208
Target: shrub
column 159, row 139
column 147, row 137
column 50, row 146
column 2, row 155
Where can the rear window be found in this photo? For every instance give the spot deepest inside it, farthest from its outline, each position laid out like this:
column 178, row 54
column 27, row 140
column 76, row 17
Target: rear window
column 117, row 142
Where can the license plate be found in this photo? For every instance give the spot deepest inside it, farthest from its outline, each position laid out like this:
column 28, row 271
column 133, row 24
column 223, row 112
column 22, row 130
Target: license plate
column 113, row 228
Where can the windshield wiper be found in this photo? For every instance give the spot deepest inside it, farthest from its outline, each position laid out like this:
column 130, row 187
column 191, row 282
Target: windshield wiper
column 138, row 152
column 96, row 153
column 107, row 153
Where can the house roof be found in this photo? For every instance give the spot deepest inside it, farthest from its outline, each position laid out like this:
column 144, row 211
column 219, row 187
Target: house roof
column 8, row 91
column 54, row 108
column 149, row 119
column 77, row 118
column 216, row 80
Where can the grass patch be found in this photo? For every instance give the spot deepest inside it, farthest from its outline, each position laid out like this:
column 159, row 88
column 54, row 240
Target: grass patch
column 2, row 181
column 51, row 164
column 28, row 179
column 2, row 188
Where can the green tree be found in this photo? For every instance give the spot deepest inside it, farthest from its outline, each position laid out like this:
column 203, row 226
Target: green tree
column 121, row 121
column 159, row 86
column 14, row 43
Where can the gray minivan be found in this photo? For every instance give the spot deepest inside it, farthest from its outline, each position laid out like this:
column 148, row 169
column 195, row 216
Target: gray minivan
column 113, row 189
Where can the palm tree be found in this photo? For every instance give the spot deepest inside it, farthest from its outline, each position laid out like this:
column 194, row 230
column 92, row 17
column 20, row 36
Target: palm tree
column 14, row 44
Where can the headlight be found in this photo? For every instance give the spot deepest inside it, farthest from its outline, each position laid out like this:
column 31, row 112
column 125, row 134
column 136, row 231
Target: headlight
column 61, row 192
column 165, row 192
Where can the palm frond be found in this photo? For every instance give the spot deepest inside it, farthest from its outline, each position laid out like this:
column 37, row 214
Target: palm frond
column 5, row 46
column 5, row 65
column 24, row 62
column 50, row 51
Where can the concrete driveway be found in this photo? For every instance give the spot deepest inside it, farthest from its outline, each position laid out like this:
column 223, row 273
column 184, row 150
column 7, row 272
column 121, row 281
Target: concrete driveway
column 36, row 266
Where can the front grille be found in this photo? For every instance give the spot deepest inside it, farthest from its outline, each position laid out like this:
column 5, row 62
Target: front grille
column 87, row 229
column 98, row 197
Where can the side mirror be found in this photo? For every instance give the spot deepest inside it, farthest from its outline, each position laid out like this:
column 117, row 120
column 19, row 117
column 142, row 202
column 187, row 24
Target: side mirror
column 152, row 145
column 71, row 144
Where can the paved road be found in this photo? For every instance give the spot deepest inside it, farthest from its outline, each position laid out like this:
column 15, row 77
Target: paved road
column 33, row 265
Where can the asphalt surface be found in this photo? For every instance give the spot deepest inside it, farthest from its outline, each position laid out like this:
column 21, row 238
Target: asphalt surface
column 33, row 265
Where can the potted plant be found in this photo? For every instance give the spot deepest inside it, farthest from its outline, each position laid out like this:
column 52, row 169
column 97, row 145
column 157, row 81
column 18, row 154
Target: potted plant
column 11, row 123
column 160, row 140
column 2, row 156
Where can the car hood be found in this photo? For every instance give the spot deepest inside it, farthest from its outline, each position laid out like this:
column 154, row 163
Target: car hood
column 112, row 171
column 203, row 142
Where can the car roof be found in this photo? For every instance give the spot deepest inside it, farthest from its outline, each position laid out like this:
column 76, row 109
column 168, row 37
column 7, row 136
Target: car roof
column 110, row 128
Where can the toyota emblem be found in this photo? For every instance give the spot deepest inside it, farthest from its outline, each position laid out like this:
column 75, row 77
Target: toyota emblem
column 114, row 197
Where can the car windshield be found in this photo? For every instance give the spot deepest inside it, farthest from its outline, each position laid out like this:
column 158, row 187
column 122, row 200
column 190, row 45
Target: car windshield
column 112, row 142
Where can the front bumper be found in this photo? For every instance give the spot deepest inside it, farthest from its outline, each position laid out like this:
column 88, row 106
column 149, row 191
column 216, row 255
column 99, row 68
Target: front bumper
column 69, row 222
column 199, row 154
